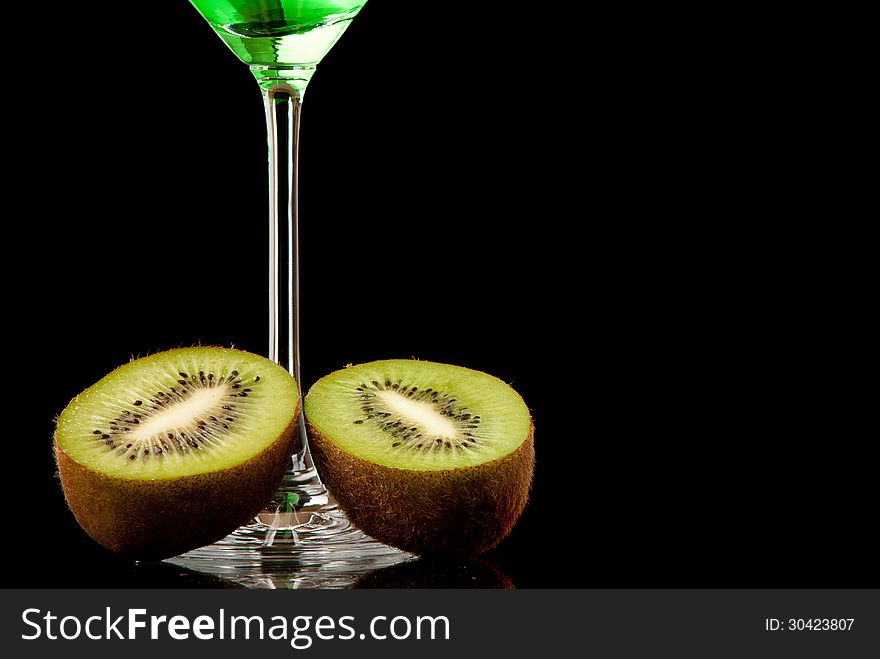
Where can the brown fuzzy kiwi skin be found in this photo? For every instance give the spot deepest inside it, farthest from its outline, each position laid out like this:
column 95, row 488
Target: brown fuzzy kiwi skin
column 453, row 512
column 154, row 519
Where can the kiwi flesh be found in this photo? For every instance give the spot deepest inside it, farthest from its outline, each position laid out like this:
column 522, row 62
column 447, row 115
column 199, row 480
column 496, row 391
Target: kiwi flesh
column 430, row 458
column 175, row 450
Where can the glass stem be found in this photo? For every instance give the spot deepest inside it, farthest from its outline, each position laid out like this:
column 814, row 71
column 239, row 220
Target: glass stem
column 283, row 103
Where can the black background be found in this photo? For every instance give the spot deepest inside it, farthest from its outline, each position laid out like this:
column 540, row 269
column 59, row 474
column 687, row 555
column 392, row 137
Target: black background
column 594, row 208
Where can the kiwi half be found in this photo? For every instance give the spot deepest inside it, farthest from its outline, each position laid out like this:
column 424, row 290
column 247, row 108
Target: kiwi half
column 174, row 451
column 431, row 458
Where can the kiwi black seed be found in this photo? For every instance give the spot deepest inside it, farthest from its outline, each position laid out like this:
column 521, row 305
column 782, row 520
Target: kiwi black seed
column 431, row 458
column 151, row 469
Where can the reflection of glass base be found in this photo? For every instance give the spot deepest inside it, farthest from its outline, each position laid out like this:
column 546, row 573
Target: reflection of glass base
column 301, row 540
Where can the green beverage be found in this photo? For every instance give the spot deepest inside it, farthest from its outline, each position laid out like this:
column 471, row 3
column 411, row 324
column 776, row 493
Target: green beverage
column 271, row 33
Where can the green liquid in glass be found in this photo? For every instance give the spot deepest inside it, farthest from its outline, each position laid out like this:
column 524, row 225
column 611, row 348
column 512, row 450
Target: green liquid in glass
column 273, row 33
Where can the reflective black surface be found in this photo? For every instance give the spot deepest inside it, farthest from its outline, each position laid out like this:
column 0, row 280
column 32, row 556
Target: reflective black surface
column 575, row 214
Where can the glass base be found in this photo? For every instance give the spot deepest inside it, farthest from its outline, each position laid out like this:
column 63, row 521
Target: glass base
column 301, row 540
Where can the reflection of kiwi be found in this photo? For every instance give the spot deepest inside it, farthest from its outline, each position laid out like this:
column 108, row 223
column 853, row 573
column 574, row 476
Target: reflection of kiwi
column 437, row 573
column 175, row 450
column 431, row 458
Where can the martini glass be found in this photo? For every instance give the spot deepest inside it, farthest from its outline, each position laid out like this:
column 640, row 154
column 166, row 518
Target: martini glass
column 300, row 538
